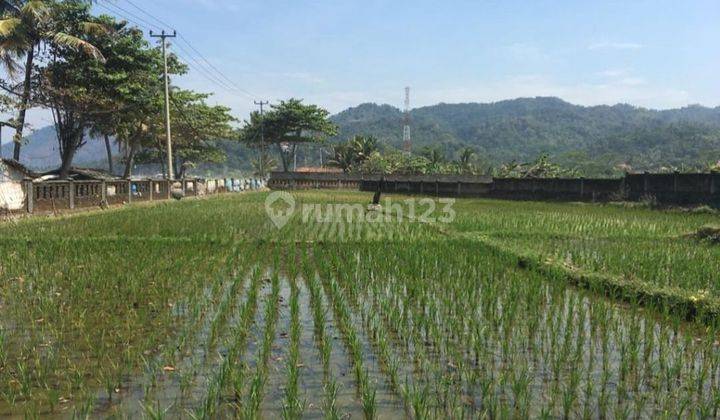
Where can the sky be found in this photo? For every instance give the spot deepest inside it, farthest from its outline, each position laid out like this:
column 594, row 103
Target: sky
column 340, row 53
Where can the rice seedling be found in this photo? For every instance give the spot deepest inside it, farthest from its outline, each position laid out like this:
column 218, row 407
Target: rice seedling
column 512, row 310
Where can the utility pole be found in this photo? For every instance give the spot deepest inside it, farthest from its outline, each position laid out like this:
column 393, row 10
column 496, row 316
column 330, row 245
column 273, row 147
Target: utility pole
column 262, row 136
column 162, row 36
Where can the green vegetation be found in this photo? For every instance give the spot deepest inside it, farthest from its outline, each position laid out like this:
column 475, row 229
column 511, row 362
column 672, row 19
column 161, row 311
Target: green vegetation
column 598, row 140
column 101, row 79
column 287, row 125
column 203, row 308
column 363, row 154
column 25, row 27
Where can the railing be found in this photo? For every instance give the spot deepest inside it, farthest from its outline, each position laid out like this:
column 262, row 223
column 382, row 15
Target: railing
column 54, row 196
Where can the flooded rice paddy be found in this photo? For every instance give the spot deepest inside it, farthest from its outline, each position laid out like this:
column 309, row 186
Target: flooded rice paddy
column 267, row 323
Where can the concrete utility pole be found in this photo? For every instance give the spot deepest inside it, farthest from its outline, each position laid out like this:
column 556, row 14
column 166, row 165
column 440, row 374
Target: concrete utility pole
column 162, row 36
column 262, row 136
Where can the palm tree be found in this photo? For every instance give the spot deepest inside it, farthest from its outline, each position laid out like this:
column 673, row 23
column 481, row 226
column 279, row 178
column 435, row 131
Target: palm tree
column 343, row 157
column 465, row 162
column 263, row 164
column 434, row 155
column 25, row 25
column 363, row 146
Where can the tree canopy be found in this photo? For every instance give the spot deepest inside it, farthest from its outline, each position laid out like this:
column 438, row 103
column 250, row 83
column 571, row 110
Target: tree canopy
column 101, row 76
column 25, row 26
column 286, row 125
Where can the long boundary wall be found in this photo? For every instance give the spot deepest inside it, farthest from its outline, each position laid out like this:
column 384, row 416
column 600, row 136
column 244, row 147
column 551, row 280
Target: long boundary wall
column 674, row 188
column 58, row 196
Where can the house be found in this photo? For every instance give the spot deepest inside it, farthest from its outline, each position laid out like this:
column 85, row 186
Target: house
column 12, row 193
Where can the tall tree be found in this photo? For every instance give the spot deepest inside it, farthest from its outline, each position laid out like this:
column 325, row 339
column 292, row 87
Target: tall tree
column 288, row 124
column 196, row 126
column 25, row 26
column 118, row 97
column 347, row 156
column 132, row 77
column 263, row 164
column 343, row 157
column 465, row 161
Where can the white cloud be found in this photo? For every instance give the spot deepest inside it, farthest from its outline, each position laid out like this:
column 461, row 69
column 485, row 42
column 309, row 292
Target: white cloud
column 615, row 46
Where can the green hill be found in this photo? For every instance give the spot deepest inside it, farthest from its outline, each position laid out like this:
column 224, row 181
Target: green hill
column 595, row 138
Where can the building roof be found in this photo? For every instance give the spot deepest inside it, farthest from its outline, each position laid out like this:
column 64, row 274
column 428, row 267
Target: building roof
column 82, row 174
column 14, row 164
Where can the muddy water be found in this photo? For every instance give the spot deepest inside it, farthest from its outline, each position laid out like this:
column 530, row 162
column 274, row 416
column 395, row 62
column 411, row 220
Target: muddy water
column 277, row 365
column 311, row 383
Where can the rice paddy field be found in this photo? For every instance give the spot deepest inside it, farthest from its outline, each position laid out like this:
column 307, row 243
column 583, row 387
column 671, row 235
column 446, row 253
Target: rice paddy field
column 205, row 309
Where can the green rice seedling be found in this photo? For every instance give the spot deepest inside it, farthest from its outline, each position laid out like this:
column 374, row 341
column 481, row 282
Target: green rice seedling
column 330, row 405
column 513, row 309
column 368, row 398
column 155, row 412
column 257, row 385
column 293, row 407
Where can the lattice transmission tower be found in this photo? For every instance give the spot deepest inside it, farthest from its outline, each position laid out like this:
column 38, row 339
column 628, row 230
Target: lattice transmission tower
column 407, row 141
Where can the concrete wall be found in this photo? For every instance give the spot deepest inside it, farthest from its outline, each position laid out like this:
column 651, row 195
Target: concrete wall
column 574, row 189
column 444, row 186
column 410, row 184
column 54, row 196
column 675, row 188
column 682, row 189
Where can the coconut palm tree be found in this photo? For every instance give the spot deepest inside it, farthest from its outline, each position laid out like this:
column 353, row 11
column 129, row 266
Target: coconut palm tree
column 363, row 146
column 343, row 157
column 263, row 164
column 25, row 25
column 465, row 161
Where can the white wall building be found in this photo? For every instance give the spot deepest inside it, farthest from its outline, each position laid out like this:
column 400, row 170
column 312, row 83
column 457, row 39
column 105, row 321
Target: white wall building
column 12, row 195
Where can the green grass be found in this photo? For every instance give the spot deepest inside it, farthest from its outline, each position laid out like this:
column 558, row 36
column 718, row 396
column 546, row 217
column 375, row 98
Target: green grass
column 196, row 308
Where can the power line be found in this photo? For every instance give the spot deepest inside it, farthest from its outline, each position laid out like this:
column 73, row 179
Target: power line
column 161, row 22
column 134, row 16
column 236, row 87
column 207, row 74
column 228, row 83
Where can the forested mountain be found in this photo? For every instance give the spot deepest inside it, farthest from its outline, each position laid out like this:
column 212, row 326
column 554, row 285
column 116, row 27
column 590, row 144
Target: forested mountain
column 595, row 138
column 40, row 150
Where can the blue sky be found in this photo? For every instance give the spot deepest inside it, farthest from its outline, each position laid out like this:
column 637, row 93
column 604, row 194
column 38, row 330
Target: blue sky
column 657, row 54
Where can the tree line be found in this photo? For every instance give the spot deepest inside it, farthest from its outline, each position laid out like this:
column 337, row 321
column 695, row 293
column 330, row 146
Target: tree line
column 101, row 79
